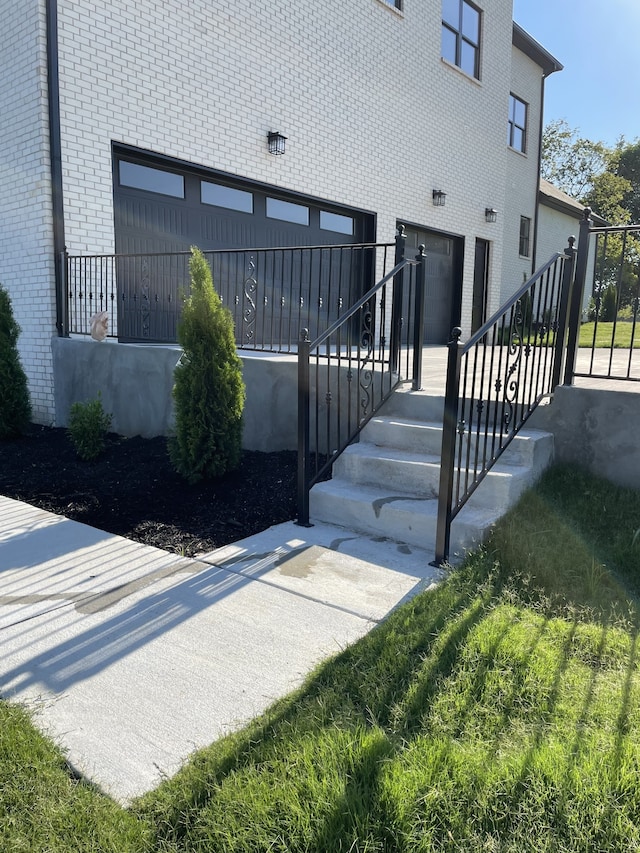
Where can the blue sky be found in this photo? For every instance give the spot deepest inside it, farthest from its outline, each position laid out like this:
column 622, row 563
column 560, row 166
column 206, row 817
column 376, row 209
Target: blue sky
column 598, row 92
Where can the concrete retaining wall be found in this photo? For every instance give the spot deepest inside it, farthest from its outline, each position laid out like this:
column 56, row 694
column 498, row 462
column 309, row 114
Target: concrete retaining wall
column 599, row 429
column 135, row 385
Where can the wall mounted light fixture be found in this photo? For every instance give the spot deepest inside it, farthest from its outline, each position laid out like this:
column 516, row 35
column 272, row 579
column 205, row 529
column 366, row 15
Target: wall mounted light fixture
column 438, row 198
column 490, row 214
column 276, row 142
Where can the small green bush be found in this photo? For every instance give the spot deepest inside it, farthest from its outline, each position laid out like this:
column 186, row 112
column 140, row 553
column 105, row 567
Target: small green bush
column 608, row 305
column 208, row 391
column 88, row 425
column 15, row 405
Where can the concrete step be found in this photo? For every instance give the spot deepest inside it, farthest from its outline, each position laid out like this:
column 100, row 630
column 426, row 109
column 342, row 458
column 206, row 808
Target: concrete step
column 418, row 475
column 397, row 516
column 387, row 483
column 529, row 447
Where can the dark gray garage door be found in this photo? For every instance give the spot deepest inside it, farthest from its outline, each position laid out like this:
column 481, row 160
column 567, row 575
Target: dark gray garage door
column 443, row 282
column 165, row 208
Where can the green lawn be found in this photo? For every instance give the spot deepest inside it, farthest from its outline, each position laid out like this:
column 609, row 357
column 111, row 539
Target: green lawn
column 604, row 335
column 497, row 713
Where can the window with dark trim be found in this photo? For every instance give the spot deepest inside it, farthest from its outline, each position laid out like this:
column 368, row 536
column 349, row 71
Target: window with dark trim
column 525, row 236
column 288, row 211
column 461, row 35
column 517, row 126
column 336, row 222
column 151, row 179
column 397, row 4
column 221, row 195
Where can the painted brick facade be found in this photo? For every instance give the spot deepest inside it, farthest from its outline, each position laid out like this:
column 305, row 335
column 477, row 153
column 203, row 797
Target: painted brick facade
column 26, row 245
column 375, row 119
column 522, row 174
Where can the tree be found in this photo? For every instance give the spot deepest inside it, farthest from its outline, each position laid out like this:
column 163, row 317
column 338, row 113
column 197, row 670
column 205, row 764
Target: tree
column 15, row 406
column 629, row 169
column 570, row 162
column 208, row 391
column 607, row 197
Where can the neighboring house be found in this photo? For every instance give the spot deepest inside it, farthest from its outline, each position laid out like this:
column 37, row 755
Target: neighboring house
column 138, row 126
column 559, row 214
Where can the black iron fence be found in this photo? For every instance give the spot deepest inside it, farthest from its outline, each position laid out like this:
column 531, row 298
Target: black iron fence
column 272, row 293
column 496, row 380
column 348, row 371
column 604, row 340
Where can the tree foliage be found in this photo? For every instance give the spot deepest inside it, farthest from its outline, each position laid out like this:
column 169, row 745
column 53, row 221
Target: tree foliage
column 629, row 169
column 15, row 405
column 571, row 162
column 608, row 181
column 208, row 391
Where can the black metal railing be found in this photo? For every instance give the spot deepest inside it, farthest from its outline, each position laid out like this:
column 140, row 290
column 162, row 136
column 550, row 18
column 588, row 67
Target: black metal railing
column 496, row 380
column 607, row 345
column 351, row 368
column 271, row 293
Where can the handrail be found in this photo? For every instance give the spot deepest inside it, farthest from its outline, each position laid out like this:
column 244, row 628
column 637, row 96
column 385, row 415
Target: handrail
column 614, row 286
column 361, row 302
column 272, row 292
column 513, row 300
column 349, row 370
column 496, row 380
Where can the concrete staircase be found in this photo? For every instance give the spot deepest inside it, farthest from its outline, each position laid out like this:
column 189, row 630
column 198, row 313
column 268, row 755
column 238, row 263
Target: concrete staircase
column 387, row 483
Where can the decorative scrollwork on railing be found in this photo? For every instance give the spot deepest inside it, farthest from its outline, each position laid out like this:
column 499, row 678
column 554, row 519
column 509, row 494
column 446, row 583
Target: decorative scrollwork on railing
column 145, row 305
column 249, row 313
column 366, row 370
column 519, row 346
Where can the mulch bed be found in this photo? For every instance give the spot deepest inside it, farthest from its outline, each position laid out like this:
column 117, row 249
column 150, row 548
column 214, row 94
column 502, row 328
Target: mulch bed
column 133, row 491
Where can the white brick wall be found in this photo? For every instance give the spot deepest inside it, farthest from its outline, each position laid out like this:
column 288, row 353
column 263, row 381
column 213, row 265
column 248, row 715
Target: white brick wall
column 375, row 119
column 522, row 176
column 26, row 245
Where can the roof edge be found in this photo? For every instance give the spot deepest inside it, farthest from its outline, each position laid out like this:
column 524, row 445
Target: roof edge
column 534, row 50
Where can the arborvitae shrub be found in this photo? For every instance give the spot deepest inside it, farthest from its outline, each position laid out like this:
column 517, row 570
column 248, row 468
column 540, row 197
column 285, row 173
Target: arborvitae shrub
column 208, row 391
column 15, row 405
column 608, row 305
column 88, row 426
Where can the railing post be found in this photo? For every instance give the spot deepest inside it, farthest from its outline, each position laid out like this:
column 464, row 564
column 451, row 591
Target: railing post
column 303, row 429
column 563, row 308
column 62, row 276
column 575, row 307
column 418, row 328
column 396, row 301
column 447, row 459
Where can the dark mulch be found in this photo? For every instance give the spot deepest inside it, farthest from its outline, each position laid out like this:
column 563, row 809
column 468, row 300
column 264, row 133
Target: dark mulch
column 133, row 491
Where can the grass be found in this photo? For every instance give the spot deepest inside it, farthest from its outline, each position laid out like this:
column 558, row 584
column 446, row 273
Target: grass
column 604, row 335
column 496, row 713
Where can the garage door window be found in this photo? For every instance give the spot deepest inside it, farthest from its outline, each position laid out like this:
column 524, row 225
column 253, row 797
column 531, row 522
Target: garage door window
column 336, row 222
column 222, row 196
column 152, row 180
column 287, row 211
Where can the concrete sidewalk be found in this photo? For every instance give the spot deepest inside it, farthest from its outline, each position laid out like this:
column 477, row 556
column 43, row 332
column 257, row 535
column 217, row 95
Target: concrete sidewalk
column 132, row 657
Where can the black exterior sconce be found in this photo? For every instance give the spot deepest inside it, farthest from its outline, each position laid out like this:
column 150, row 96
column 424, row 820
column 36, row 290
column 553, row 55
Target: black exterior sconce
column 276, row 142
column 490, row 214
column 438, row 198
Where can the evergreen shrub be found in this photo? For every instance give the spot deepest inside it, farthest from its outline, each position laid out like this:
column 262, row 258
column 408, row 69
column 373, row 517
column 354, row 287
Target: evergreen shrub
column 15, row 405
column 608, row 305
column 88, row 426
column 208, row 391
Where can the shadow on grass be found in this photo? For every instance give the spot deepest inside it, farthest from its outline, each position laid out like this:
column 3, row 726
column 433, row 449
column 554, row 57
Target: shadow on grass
column 397, row 678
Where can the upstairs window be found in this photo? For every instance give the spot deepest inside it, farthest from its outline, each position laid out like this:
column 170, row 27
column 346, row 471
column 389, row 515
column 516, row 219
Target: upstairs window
column 461, row 36
column 517, row 127
column 397, row 4
column 525, row 237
